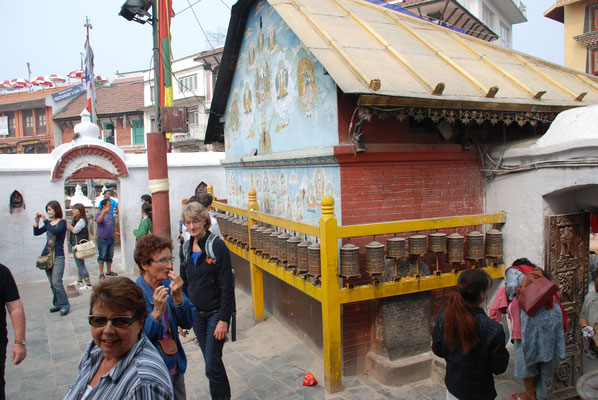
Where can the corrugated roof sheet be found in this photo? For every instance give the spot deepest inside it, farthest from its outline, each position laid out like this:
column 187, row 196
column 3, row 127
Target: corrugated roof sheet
column 117, row 99
column 364, row 46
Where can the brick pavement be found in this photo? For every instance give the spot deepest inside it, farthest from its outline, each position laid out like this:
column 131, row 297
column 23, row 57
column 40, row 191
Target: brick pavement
column 266, row 362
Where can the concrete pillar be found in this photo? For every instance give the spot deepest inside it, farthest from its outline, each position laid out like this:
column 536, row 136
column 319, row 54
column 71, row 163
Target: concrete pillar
column 157, row 171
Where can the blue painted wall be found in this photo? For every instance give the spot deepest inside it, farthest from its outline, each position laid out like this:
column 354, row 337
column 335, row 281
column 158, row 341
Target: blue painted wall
column 280, row 98
column 293, row 193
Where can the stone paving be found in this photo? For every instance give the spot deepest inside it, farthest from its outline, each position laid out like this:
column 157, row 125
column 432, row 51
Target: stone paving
column 266, row 362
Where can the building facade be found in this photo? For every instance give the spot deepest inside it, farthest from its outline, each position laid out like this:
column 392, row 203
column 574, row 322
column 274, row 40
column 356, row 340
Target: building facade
column 26, row 122
column 580, row 18
column 193, row 85
column 119, row 110
column 490, row 20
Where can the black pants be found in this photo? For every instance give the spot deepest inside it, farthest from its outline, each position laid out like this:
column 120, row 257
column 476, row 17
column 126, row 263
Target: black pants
column 2, row 364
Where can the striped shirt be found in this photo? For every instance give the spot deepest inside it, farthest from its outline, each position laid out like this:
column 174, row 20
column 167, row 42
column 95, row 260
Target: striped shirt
column 140, row 375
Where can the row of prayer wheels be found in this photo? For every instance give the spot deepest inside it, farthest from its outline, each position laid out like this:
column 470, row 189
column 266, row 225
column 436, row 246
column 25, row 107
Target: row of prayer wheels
column 276, row 246
column 303, row 256
column 478, row 247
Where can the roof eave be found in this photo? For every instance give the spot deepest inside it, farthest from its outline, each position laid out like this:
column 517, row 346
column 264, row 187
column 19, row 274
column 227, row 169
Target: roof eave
column 556, row 13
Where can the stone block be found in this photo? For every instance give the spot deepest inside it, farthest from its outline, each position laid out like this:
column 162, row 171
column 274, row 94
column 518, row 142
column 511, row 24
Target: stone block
column 399, row 372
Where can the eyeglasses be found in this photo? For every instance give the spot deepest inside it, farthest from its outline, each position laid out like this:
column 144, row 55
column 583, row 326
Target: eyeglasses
column 164, row 261
column 120, row 321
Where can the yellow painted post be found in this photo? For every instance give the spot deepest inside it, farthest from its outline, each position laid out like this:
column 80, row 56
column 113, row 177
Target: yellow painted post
column 257, row 276
column 331, row 306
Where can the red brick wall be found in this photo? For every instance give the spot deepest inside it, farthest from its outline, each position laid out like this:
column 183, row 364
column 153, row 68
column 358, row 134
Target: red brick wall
column 401, row 176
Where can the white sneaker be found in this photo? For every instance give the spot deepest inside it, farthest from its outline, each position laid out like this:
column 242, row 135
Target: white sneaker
column 76, row 283
column 85, row 287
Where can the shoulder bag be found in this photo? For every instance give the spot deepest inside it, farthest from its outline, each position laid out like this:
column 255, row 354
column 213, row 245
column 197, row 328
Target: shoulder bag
column 85, row 249
column 47, row 261
column 536, row 291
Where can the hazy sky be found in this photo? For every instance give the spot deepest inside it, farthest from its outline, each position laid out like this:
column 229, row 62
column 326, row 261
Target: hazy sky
column 50, row 34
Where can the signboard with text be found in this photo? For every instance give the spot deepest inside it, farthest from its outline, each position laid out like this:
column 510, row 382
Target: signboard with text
column 68, row 92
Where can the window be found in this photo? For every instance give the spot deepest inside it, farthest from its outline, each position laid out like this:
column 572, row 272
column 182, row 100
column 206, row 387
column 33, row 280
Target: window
column 188, row 83
column 594, row 55
column 595, row 19
column 137, row 128
column 505, row 35
column 11, row 122
column 28, row 122
column 488, row 16
column 40, row 115
column 108, row 132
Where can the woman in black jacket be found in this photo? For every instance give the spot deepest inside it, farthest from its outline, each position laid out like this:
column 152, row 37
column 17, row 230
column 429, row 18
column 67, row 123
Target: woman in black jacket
column 472, row 344
column 208, row 281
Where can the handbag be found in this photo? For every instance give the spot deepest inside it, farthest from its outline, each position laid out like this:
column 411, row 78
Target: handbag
column 168, row 346
column 85, row 249
column 47, row 261
column 536, row 291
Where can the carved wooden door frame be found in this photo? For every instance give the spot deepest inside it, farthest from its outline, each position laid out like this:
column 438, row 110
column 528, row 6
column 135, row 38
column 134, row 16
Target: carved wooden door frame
column 567, row 263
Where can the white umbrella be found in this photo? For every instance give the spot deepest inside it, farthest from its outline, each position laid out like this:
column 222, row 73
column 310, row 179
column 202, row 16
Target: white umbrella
column 78, row 73
column 41, row 81
column 55, row 78
column 20, row 83
column 101, row 80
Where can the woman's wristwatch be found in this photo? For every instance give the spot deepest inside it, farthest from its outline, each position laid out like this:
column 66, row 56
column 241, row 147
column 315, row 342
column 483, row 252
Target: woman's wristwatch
column 23, row 342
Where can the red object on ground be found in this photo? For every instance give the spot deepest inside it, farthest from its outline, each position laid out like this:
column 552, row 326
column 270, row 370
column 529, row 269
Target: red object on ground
column 309, row 380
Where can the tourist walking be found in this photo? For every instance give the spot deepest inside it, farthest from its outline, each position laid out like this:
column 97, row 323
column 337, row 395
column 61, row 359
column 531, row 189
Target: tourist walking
column 472, row 344
column 206, row 199
column 119, row 361
column 588, row 322
column 167, row 305
column 10, row 300
column 209, row 282
column 540, row 343
column 55, row 229
column 105, row 233
column 145, row 225
column 79, row 231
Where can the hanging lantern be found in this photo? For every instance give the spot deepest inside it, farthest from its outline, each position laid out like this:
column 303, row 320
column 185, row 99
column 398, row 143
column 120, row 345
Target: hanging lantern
column 437, row 242
column 395, row 248
column 282, row 247
column 494, row 243
column 417, row 245
column 475, row 246
column 314, row 268
column 374, row 258
column 292, row 251
column 350, row 261
column 455, row 248
column 302, row 265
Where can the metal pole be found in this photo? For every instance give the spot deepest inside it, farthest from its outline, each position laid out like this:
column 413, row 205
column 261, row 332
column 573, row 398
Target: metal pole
column 156, row 64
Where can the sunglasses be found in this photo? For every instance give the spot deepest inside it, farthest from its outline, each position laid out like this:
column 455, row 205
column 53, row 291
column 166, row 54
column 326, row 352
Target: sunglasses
column 120, row 321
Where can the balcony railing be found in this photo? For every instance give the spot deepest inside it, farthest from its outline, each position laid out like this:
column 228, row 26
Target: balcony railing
column 195, row 132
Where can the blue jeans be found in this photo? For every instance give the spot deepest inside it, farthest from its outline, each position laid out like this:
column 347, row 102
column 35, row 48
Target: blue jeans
column 203, row 326
column 54, row 275
column 105, row 250
column 82, row 271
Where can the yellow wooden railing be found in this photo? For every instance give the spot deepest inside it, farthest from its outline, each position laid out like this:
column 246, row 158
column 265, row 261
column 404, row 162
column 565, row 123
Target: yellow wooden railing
column 328, row 291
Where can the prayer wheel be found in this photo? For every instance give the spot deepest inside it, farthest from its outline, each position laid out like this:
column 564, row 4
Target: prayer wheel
column 302, row 265
column 494, row 243
column 273, row 240
column 417, row 245
column 258, row 240
column 282, row 246
column 475, row 246
column 374, row 258
column 244, row 233
column 395, row 248
column 223, row 223
column 314, row 268
column 350, row 261
column 266, row 242
column 455, row 248
column 437, row 242
column 292, row 251
column 237, row 231
column 253, row 232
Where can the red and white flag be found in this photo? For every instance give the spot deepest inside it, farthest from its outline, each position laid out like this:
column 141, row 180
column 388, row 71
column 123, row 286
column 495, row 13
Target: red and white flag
column 90, row 85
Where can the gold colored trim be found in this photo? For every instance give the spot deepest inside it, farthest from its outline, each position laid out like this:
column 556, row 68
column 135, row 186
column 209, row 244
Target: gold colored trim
column 587, row 80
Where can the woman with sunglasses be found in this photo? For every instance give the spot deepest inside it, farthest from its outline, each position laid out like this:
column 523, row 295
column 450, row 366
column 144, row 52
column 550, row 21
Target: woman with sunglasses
column 167, row 306
column 119, row 362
